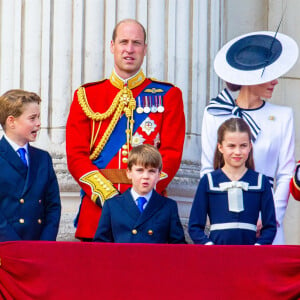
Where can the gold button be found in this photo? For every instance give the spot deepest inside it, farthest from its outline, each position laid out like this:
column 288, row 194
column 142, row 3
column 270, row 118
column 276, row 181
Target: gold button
column 150, row 232
column 39, row 221
column 22, row 200
column 124, row 152
column 134, row 231
column 21, row 221
column 125, row 160
column 125, row 147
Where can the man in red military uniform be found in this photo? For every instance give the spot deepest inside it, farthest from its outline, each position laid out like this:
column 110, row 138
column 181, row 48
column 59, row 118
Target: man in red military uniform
column 109, row 117
column 295, row 183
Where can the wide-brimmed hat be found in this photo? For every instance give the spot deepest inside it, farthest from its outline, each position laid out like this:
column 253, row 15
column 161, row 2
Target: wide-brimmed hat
column 256, row 58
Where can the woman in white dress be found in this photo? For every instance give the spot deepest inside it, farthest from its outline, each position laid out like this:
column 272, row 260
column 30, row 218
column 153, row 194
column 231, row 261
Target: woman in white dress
column 251, row 65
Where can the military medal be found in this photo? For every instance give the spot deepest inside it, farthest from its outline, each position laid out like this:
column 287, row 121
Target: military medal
column 154, row 109
column 160, row 106
column 146, row 106
column 148, row 126
column 154, row 104
column 139, row 110
column 137, row 139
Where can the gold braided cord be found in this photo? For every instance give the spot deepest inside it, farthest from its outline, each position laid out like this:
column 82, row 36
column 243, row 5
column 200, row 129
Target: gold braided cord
column 126, row 104
column 95, row 116
column 107, row 132
column 94, row 135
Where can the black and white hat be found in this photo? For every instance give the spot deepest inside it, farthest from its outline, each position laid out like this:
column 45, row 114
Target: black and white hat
column 256, row 58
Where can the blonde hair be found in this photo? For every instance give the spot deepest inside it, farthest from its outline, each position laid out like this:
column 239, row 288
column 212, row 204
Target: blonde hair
column 12, row 103
column 145, row 155
column 232, row 125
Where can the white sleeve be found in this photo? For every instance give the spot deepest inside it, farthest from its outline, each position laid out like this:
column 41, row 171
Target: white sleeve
column 209, row 142
column 286, row 166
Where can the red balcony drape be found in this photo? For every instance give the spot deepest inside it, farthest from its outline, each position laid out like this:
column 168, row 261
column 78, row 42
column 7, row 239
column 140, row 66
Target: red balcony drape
column 75, row 270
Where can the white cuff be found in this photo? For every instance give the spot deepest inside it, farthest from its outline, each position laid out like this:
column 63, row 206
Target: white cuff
column 209, row 243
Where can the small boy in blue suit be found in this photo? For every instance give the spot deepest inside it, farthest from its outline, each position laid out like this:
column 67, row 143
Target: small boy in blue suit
column 30, row 205
column 141, row 215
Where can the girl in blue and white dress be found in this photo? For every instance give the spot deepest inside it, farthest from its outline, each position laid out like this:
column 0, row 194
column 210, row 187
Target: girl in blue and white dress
column 250, row 65
column 234, row 195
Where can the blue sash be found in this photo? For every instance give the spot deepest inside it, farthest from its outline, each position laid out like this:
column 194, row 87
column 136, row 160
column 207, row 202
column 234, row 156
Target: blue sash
column 118, row 136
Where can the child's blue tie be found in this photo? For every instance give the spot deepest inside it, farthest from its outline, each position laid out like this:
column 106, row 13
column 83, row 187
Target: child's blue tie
column 141, row 201
column 22, row 153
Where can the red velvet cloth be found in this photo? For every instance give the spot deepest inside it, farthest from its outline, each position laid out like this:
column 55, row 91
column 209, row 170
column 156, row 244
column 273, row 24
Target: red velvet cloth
column 75, row 270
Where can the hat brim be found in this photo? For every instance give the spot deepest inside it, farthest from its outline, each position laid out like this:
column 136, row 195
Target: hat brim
column 235, row 73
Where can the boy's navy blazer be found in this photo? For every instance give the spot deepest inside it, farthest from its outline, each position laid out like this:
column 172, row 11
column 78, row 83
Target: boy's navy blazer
column 29, row 199
column 122, row 222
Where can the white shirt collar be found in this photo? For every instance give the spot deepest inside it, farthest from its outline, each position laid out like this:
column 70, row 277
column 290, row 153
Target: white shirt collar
column 135, row 195
column 14, row 145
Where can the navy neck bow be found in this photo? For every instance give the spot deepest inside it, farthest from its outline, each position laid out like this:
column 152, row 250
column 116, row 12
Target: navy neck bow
column 224, row 104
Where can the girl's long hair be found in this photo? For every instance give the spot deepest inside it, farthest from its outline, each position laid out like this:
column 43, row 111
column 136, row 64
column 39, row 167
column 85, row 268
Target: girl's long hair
column 232, row 125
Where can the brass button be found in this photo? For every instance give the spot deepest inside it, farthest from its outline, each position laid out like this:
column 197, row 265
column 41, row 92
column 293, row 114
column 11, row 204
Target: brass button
column 22, row 201
column 124, row 147
column 134, row 231
column 124, row 152
column 21, row 221
column 39, row 221
column 150, row 232
column 125, row 160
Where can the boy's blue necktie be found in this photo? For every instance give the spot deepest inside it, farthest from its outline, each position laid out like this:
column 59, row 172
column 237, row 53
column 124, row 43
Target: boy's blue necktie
column 141, row 201
column 22, row 153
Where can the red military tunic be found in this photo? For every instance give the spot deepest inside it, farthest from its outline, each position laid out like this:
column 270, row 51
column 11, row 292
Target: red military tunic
column 164, row 129
column 295, row 184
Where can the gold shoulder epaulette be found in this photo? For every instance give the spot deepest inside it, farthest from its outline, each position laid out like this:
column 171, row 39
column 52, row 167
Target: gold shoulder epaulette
column 95, row 116
column 162, row 82
column 93, row 83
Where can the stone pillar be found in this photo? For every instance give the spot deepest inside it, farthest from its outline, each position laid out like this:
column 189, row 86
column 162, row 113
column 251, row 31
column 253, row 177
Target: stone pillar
column 10, row 66
column 61, row 71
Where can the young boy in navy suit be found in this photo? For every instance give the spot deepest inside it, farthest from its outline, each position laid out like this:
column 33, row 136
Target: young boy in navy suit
column 30, row 205
column 141, row 215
